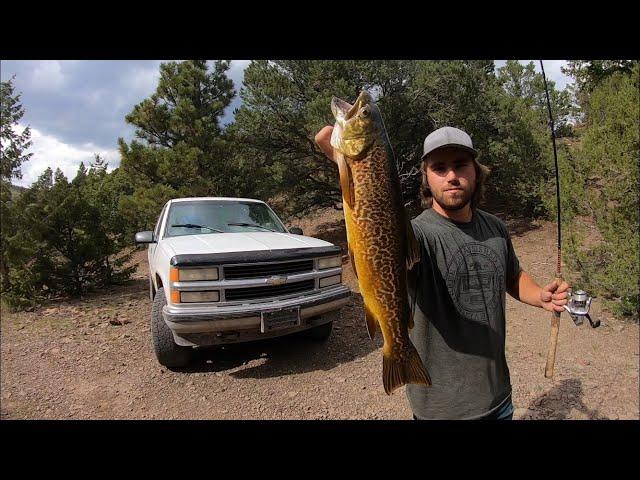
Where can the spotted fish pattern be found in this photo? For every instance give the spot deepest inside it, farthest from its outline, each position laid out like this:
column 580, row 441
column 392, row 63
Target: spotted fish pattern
column 378, row 238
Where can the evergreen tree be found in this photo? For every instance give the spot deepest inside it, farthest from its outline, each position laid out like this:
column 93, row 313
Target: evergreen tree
column 14, row 145
column 286, row 102
column 179, row 147
column 13, row 148
column 604, row 187
column 99, row 164
column 70, row 238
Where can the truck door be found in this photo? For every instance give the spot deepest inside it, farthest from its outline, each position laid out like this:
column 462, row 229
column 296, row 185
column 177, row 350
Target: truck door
column 156, row 237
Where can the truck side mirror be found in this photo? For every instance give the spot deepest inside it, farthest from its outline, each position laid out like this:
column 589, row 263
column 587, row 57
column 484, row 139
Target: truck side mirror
column 295, row 230
column 144, row 237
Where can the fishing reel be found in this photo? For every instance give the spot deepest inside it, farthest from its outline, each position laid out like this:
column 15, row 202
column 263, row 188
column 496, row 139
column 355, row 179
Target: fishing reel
column 578, row 307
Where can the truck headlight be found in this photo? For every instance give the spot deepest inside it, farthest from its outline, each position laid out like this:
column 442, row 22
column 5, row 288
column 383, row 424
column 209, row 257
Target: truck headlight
column 190, row 297
column 194, row 274
column 329, row 262
column 332, row 280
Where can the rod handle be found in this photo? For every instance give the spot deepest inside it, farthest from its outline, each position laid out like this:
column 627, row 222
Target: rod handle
column 553, row 340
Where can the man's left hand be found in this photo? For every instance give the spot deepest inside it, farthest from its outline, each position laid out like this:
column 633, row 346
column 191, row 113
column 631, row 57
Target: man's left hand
column 554, row 296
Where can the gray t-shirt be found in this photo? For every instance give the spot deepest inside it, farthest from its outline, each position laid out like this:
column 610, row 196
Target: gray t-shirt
column 459, row 321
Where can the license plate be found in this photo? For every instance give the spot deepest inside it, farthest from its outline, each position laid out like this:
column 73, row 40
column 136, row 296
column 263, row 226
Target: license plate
column 279, row 319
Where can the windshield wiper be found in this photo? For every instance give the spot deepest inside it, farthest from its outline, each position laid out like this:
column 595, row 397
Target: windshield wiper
column 193, row 225
column 249, row 225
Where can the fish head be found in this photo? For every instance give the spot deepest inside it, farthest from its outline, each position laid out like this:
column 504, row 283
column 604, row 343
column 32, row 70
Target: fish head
column 356, row 125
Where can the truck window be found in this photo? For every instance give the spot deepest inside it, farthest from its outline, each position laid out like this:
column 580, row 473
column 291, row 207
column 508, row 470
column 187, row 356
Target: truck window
column 156, row 231
column 220, row 216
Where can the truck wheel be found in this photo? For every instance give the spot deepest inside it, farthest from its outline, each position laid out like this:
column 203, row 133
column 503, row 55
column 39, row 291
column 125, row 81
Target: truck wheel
column 167, row 351
column 321, row 332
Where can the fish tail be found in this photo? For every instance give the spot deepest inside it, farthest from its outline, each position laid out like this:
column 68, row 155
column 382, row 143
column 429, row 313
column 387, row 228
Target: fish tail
column 398, row 372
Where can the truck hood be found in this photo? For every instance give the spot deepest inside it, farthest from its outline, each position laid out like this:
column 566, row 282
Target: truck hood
column 239, row 242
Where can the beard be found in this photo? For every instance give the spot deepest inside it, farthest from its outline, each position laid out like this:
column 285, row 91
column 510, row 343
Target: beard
column 454, row 202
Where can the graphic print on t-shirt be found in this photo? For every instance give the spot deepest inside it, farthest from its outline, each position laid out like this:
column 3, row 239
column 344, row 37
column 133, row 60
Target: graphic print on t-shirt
column 474, row 279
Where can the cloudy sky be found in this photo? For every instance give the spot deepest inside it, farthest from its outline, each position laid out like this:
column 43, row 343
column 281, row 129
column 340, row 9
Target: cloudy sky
column 76, row 108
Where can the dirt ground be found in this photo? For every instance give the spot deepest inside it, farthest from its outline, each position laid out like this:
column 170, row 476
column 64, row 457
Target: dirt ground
column 92, row 359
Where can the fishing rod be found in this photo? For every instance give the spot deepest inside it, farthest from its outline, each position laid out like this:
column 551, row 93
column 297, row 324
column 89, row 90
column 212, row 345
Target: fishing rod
column 579, row 302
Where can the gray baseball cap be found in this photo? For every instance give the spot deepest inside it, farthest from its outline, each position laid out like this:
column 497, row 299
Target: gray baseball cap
column 448, row 137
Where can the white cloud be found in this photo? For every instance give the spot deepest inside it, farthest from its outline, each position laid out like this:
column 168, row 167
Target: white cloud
column 141, row 80
column 47, row 75
column 556, row 74
column 94, row 98
column 48, row 151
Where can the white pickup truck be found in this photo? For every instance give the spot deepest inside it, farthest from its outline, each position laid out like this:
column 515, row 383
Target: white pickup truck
column 226, row 270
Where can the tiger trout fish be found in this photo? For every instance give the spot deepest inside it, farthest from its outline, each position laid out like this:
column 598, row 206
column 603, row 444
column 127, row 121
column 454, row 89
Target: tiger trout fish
column 382, row 245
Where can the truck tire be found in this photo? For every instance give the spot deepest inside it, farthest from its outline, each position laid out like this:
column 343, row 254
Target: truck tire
column 321, row 332
column 167, row 352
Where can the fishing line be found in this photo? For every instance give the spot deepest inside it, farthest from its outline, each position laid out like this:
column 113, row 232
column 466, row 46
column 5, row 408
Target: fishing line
column 555, row 158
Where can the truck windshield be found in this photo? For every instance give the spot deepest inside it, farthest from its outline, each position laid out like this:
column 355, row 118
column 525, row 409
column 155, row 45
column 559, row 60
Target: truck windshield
column 219, row 216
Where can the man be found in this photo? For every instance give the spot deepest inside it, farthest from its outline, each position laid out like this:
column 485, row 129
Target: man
column 467, row 265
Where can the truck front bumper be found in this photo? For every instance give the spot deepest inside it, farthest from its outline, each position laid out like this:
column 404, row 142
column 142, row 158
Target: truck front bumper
column 204, row 326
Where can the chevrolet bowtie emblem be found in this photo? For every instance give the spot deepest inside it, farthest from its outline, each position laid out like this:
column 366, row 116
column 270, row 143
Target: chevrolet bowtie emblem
column 277, row 280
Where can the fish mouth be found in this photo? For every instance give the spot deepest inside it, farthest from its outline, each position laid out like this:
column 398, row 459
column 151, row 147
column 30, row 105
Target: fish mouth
column 340, row 108
column 344, row 110
column 352, row 140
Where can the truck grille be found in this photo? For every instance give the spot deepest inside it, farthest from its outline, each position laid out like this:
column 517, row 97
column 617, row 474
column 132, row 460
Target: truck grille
column 270, row 291
column 237, row 272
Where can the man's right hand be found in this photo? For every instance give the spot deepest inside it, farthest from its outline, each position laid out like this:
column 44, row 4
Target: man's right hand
column 323, row 139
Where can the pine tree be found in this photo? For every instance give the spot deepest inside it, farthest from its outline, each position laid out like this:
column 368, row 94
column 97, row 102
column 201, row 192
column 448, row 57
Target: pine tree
column 604, row 186
column 99, row 163
column 286, row 102
column 14, row 145
column 71, row 238
column 179, row 147
column 13, row 148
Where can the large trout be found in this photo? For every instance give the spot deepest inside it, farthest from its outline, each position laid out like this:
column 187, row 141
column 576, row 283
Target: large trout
column 382, row 245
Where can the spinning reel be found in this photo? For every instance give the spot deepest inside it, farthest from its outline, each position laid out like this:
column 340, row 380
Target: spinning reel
column 578, row 307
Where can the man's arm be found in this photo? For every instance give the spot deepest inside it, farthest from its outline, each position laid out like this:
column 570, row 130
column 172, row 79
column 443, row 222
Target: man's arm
column 551, row 297
column 323, row 140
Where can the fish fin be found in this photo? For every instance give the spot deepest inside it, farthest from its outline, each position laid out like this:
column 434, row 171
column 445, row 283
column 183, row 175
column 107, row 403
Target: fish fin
column 413, row 247
column 396, row 373
column 353, row 262
column 345, row 180
column 372, row 323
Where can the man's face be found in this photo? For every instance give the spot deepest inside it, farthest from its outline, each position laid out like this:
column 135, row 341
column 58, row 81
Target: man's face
column 451, row 177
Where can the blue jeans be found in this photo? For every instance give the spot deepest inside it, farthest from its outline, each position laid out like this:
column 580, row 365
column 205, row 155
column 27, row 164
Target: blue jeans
column 505, row 412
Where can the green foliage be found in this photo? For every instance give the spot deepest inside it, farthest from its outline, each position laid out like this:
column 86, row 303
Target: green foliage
column 68, row 237
column 12, row 155
column 521, row 152
column 141, row 208
column 14, row 145
column 61, row 237
column 180, row 148
column 7, row 229
column 588, row 74
column 285, row 103
column 605, row 188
